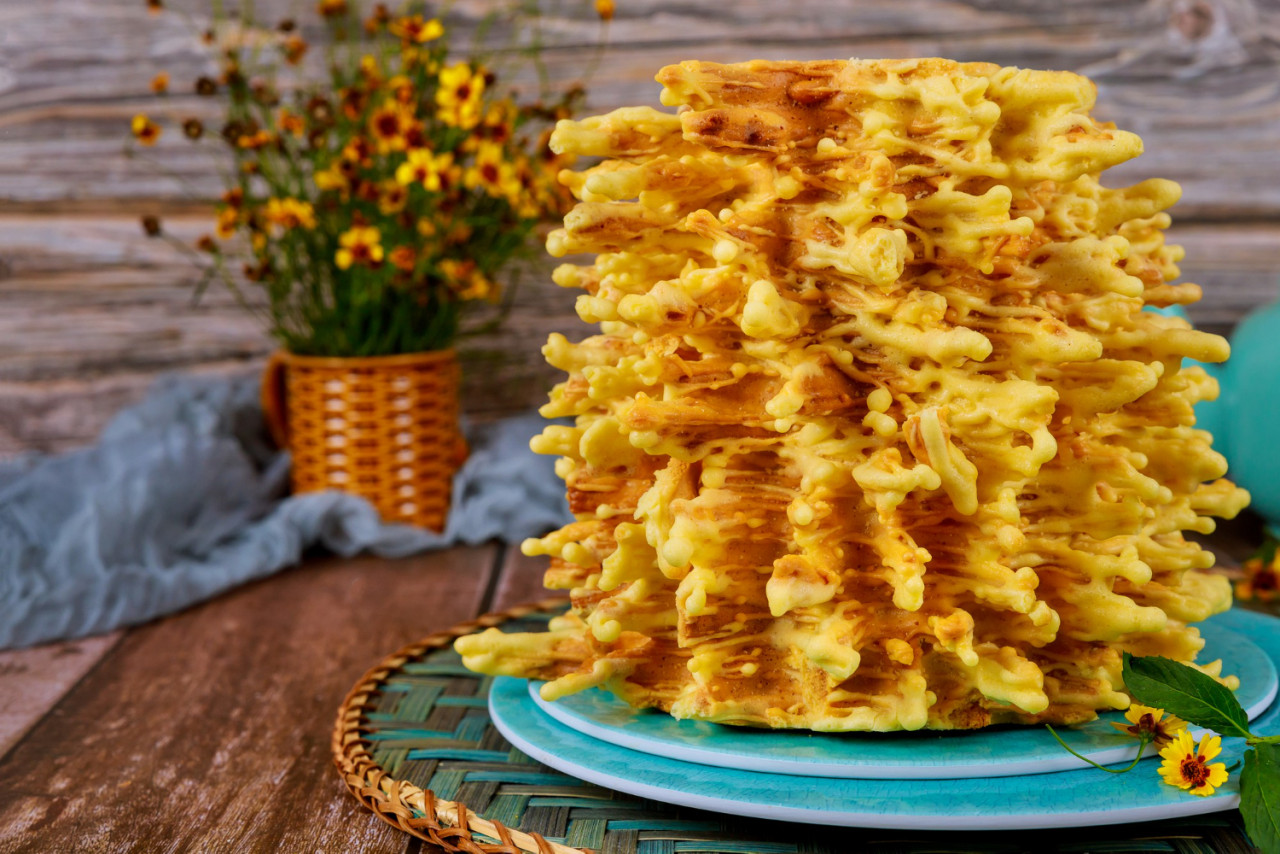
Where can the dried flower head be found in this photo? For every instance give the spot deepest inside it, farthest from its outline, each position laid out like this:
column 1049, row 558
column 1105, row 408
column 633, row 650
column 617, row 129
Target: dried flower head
column 206, row 86
column 160, row 83
column 1148, row 724
column 193, row 128
column 151, row 225
column 294, row 48
column 332, row 8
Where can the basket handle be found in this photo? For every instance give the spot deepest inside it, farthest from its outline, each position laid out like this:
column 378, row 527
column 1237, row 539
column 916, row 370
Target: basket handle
column 273, row 393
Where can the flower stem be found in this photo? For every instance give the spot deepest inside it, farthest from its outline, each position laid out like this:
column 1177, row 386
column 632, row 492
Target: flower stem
column 1142, row 746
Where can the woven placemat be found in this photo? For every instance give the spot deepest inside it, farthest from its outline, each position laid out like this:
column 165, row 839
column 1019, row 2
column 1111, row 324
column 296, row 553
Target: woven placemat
column 414, row 743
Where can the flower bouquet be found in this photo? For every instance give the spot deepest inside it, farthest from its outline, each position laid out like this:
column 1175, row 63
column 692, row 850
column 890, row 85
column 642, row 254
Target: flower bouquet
column 370, row 204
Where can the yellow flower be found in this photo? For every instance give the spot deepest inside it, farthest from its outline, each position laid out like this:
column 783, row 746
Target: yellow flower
column 160, row 83
column 331, row 179
column 390, row 125
column 228, row 220
column 1187, row 766
column 294, row 48
column 423, row 167
column 257, row 139
column 391, row 197
column 605, row 9
column 359, row 245
column 145, row 130
column 403, row 89
column 466, row 281
column 291, row 122
column 493, row 173
column 1261, row 580
column 370, row 70
column 413, row 29
column 290, row 213
column 1151, row 724
column 332, row 8
column 460, row 95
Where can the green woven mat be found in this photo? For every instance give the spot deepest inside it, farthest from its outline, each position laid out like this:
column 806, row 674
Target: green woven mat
column 430, row 727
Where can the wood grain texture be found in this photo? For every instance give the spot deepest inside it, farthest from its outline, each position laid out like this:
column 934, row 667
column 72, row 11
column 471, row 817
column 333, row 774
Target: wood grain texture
column 1179, row 72
column 90, row 302
column 33, row 680
column 209, row 730
column 521, row 581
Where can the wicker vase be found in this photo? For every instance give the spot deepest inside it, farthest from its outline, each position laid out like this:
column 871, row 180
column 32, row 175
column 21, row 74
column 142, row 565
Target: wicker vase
column 384, row 428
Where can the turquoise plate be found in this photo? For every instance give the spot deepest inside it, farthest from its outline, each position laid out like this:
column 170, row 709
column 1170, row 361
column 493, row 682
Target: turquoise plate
column 1072, row 798
column 1000, row 752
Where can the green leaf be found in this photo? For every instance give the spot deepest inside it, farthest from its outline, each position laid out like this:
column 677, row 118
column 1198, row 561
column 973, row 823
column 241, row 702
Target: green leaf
column 1260, row 797
column 1186, row 692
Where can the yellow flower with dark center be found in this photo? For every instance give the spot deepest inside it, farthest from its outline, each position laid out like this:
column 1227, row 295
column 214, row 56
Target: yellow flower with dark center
column 466, row 281
column 370, row 70
column 424, row 168
column 390, row 125
column 290, row 213
column 291, row 122
column 160, row 83
column 1261, row 580
column 605, row 9
column 331, row 179
column 1151, row 725
column 391, row 197
column 294, row 48
column 359, row 245
column 193, row 129
column 228, row 221
column 353, row 102
column 414, row 30
column 332, row 8
column 460, row 95
column 145, row 130
column 402, row 87
column 493, row 173
column 358, row 151
column 1187, row 765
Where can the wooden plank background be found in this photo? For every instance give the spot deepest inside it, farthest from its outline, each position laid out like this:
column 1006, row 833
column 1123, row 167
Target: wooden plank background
column 93, row 311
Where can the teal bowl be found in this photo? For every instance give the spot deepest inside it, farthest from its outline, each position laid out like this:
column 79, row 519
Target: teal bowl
column 1245, row 419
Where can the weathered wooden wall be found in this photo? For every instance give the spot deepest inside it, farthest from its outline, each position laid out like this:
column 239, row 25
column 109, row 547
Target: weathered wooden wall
column 92, row 311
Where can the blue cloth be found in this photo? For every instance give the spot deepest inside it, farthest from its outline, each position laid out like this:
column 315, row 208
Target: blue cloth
column 184, row 497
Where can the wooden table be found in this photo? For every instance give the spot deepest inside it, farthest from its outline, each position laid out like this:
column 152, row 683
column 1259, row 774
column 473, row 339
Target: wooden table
column 209, row 731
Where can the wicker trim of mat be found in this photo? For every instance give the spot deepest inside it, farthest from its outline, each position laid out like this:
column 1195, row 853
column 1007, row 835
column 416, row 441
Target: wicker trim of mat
column 408, row 744
column 403, row 805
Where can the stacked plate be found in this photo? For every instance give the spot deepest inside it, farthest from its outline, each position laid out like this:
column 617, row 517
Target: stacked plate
column 994, row 779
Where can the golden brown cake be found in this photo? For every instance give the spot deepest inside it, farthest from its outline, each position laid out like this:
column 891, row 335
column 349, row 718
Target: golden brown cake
column 875, row 434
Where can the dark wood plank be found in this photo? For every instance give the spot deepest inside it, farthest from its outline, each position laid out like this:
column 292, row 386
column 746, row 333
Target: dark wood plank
column 33, row 680
column 209, row 730
column 521, row 581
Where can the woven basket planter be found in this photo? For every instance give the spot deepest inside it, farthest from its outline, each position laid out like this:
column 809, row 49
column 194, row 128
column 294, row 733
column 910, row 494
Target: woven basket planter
column 384, row 428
